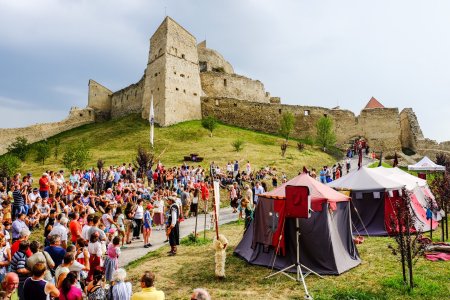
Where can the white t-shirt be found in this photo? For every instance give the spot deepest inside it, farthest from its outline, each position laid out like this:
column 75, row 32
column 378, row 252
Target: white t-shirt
column 158, row 206
column 59, row 230
column 95, row 249
column 139, row 214
column 84, row 232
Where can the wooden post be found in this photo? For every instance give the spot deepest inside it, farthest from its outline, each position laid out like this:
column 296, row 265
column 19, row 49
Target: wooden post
column 204, row 226
column 196, row 218
column 215, row 213
column 431, row 229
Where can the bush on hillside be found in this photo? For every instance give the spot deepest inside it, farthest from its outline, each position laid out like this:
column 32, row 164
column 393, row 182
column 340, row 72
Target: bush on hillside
column 19, row 147
column 238, row 145
column 76, row 158
column 42, row 151
column 209, row 123
column 287, row 123
column 326, row 137
column 9, row 164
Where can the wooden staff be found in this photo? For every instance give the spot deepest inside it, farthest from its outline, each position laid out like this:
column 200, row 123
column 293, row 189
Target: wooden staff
column 215, row 213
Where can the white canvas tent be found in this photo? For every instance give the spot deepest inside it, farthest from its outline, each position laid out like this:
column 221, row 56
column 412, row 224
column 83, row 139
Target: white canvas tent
column 375, row 191
column 426, row 164
column 420, row 189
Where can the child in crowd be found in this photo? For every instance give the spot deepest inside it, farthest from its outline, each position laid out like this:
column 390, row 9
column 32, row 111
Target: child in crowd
column 6, row 205
column 112, row 258
column 95, row 254
column 147, row 225
column 121, row 222
column 32, row 219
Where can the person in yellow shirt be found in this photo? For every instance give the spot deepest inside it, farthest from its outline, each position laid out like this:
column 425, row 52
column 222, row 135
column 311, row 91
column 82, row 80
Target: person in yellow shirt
column 149, row 292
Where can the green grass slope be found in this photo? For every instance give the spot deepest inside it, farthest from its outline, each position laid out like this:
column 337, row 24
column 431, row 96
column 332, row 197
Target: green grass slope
column 116, row 141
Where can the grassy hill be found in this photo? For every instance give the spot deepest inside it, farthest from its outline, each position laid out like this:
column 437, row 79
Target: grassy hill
column 116, row 142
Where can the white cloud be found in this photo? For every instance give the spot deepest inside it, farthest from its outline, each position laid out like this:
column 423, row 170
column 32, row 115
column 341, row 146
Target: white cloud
column 308, row 52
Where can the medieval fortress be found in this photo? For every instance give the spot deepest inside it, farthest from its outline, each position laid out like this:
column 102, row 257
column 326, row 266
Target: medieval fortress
column 189, row 81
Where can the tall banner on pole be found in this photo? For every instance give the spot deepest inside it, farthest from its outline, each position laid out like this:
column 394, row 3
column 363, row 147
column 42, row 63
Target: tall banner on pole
column 151, row 119
column 217, row 198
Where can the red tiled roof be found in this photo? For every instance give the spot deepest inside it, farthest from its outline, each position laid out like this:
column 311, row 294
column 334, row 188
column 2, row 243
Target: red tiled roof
column 374, row 103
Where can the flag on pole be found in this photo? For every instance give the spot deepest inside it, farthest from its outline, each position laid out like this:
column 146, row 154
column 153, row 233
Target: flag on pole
column 151, row 119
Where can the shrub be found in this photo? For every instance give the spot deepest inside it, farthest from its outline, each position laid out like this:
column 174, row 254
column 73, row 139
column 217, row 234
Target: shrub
column 286, row 124
column 325, row 134
column 283, row 147
column 19, row 147
column 300, row 146
column 9, row 164
column 209, row 123
column 42, row 151
column 238, row 145
column 76, row 157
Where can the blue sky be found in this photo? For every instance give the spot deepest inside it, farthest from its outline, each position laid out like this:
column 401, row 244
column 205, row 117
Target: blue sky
column 323, row 53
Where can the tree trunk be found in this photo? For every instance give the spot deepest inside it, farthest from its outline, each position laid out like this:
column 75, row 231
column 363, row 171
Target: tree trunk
column 408, row 252
column 402, row 242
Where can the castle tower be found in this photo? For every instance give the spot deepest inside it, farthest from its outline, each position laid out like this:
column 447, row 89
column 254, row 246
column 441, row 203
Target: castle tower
column 99, row 98
column 172, row 75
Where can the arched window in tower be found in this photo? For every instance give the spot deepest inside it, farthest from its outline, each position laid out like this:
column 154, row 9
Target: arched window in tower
column 225, row 82
column 182, row 56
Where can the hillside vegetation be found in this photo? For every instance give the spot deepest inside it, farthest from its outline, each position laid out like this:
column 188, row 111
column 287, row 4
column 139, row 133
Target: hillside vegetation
column 116, row 142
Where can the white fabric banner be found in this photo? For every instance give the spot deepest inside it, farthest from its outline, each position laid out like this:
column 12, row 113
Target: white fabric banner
column 217, row 197
column 151, row 119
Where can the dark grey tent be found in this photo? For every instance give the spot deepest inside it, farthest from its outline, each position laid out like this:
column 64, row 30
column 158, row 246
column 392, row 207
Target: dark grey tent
column 326, row 243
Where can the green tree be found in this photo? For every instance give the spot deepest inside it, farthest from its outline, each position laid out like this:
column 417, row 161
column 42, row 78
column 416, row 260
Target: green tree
column 82, row 155
column 68, row 159
column 56, row 144
column 42, row 151
column 19, row 147
column 9, row 164
column 325, row 134
column 76, row 157
column 209, row 123
column 287, row 123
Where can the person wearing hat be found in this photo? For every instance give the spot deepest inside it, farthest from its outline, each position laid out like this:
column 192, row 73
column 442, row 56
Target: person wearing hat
column 148, row 218
column 173, row 228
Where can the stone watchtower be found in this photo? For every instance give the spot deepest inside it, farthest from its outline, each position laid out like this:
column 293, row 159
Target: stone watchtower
column 172, row 75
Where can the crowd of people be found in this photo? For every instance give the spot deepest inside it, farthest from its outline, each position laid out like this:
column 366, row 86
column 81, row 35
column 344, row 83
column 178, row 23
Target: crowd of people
column 88, row 218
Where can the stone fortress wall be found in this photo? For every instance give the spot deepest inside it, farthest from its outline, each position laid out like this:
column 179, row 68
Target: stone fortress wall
column 189, row 81
column 378, row 126
column 128, row 100
column 34, row 133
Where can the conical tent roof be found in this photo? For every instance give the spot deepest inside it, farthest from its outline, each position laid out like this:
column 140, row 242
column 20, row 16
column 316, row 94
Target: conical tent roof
column 426, row 164
column 397, row 174
column 319, row 192
column 326, row 242
column 366, row 179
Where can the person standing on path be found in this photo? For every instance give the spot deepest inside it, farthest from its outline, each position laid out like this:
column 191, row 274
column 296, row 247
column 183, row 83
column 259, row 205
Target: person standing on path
column 174, row 226
column 138, row 217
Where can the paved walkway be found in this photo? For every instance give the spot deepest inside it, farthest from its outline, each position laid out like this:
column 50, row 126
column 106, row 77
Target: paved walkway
column 136, row 249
